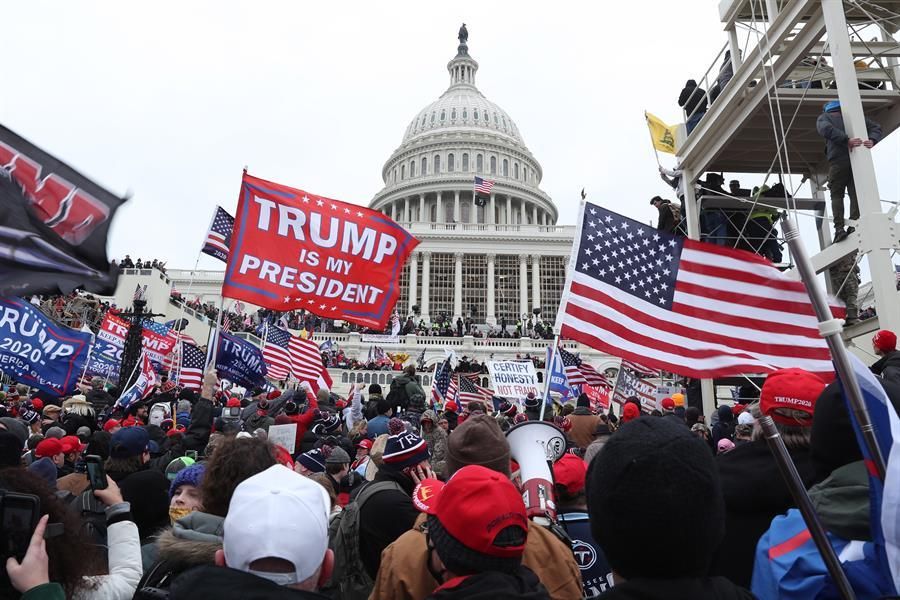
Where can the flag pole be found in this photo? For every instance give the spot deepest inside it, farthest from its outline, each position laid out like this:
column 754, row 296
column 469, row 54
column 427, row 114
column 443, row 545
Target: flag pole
column 795, row 485
column 616, row 384
column 87, row 361
column 547, row 369
column 652, row 141
column 830, row 328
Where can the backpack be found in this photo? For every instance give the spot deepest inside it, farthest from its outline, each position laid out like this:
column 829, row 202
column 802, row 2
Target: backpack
column 398, row 396
column 676, row 213
column 350, row 580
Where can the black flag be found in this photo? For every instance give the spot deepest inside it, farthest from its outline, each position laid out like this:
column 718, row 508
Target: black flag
column 54, row 222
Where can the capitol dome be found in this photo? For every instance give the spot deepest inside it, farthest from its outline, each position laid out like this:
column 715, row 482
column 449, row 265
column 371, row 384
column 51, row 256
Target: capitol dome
column 461, row 135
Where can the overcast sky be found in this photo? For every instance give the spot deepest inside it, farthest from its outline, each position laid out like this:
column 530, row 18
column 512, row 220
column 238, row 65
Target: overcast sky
column 169, row 100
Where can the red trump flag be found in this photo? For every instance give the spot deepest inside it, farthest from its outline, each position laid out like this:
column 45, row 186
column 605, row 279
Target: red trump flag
column 291, row 249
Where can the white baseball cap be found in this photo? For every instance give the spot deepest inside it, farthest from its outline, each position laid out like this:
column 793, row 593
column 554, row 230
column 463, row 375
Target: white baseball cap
column 278, row 514
column 745, row 418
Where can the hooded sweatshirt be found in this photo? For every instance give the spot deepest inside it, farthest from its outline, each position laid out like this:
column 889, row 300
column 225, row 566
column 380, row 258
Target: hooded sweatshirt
column 724, row 428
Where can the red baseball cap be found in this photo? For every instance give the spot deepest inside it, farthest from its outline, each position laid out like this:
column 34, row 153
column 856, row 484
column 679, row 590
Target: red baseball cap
column 111, row 424
column 365, row 443
column 71, row 443
column 630, row 412
column 473, row 507
column 668, row 404
column 37, row 404
column 885, row 340
column 49, row 447
column 570, row 472
column 233, row 402
column 790, row 389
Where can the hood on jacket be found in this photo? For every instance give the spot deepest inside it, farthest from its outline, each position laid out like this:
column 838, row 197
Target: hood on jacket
column 842, row 502
column 751, row 482
column 493, row 585
column 193, row 539
column 725, row 414
column 431, row 416
column 223, row 583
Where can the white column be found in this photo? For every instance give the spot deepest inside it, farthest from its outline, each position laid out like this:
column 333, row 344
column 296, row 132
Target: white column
column 772, row 10
column 473, row 216
column 509, row 210
column 523, row 284
column 413, row 279
column 406, row 215
column 534, row 214
column 876, row 229
column 523, row 211
column 535, row 281
column 457, row 286
column 422, row 216
column 491, row 309
column 493, row 217
column 426, row 286
column 456, row 206
column 393, row 210
column 440, row 209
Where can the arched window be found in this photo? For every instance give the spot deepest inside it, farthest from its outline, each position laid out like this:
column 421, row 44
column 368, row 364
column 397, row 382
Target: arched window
column 394, row 175
column 412, row 168
column 453, row 114
column 424, row 166
column 479, row 164
column 443, row 115
column 486, row 117
column 496, row 122
column 476, row 114
column 493, row 165
column 465, row 166
column 437, row 164
column 524, row 173
column 504, row 122
column 516, row 170
column 505, row 168
column 450, row 163
column 465, row 114
column 402, row 171
column 432, row 117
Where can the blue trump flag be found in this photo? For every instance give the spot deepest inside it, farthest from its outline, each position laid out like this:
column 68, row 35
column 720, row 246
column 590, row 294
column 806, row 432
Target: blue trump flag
column 240, row 362
column 556, row 378
column 36, row 351
column 104, row 360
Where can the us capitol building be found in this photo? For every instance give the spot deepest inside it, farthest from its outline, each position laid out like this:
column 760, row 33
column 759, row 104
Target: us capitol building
column 497, row 261
column 500, row 260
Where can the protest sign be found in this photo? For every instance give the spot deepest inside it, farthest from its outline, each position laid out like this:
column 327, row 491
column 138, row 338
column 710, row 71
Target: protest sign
column 599, row 397
column 36, row 351
column 284, row 435
column 291, row 249
column 514, row 379
column 379, row 339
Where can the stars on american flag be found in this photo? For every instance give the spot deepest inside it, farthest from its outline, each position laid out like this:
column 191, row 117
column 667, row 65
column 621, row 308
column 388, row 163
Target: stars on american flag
column 634, row 258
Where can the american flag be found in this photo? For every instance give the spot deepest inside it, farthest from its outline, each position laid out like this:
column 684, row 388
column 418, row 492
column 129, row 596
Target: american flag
column 218, row 238
column 287, row 354
column 468, row 392
column 452, row 394
column 441, row 382
column 190, row 375
column 593, row 377
column 139, row 292
column 570, row 364
column 483, row 186
column 638, row 367
column 226, row 323
column 687, row 307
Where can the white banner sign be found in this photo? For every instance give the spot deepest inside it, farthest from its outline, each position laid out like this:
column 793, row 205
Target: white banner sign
column 514, row 379
column 380, row 339
column 284, row 435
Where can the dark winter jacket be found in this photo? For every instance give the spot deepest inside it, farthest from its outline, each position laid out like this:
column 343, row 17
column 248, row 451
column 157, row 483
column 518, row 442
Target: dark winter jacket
column 383, row 518
column 724, row 427
column 754, row 494
column 708, row 588
column 666, row 221
column 888, row 366
column 100, row 399
column 692, row 97
column 191, row 542
column 830, row 126
column 493, row 585
column 258, row 421
column 411, row 386
column 223, row 583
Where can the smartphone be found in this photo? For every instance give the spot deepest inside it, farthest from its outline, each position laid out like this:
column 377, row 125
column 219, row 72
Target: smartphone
column 191, row 454
column 95, row 472
column 19, row 515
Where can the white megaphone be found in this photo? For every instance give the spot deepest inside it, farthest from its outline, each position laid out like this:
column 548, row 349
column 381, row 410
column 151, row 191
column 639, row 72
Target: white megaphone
column 536, row 445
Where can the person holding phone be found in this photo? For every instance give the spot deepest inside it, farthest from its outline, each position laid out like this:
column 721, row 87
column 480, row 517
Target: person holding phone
column 67, row 557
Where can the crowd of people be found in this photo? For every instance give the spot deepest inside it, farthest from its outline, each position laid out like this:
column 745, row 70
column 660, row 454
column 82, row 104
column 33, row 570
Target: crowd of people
column 127, row 263
column 385, row 494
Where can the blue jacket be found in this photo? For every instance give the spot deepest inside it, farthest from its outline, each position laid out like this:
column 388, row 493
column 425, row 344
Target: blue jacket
column 378, row 426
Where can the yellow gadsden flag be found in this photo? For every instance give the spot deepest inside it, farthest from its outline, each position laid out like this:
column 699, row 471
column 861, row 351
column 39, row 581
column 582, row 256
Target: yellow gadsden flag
column 663, row 136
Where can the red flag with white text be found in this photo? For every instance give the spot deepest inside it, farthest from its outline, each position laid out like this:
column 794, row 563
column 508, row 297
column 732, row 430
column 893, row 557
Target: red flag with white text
column 291, row 249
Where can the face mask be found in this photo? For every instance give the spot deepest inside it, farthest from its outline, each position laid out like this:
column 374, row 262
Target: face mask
column 281, row 579
column 177, row 512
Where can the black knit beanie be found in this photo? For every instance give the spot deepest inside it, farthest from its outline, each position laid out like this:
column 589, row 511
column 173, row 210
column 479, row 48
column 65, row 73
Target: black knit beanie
column 655, row 501
column 583, row 401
